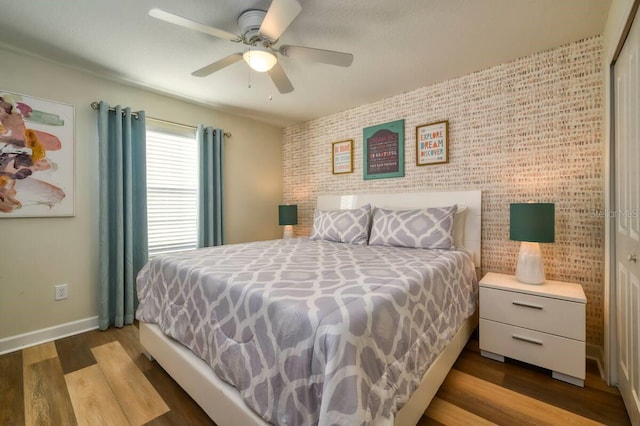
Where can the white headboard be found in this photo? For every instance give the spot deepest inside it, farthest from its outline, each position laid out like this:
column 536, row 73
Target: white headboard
column 417, row 200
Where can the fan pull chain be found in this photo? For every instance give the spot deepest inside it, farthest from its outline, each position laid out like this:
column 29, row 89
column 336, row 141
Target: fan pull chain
column 249, row 72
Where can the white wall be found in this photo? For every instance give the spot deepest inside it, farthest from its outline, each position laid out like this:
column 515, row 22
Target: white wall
column 39, row 253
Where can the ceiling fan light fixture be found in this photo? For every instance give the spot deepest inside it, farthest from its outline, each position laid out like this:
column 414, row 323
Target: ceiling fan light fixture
column 259, row 59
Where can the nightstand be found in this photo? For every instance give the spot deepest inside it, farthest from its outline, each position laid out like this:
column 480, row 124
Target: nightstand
column 542, row 324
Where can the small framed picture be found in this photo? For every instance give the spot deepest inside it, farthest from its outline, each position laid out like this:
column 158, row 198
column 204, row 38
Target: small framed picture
column 342, row 157
column 432, row 143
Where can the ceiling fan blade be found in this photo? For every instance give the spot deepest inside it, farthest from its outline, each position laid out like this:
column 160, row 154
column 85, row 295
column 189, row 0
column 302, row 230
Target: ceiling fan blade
column 192, row 25
column 280, row 79
column 279, row 16
column 218, row 65
column 318, row 55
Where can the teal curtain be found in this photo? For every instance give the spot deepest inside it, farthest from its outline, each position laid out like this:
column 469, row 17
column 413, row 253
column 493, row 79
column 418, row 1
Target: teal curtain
column 123, row 211
column 210, row 220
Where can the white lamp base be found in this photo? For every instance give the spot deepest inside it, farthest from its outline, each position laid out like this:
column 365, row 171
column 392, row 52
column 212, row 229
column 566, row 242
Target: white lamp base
column 288, row 232
column 530, row 268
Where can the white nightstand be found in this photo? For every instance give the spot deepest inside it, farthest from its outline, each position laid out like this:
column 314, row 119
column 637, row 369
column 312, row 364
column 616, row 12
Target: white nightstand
column 542, row 324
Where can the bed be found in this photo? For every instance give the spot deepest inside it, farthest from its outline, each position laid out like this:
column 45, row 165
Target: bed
column 314, row 331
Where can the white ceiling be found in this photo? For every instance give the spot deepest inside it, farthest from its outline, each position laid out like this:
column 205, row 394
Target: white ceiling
column 398, row 45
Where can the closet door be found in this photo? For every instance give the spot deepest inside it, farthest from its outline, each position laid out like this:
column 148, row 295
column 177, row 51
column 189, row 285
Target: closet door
column 627, row 217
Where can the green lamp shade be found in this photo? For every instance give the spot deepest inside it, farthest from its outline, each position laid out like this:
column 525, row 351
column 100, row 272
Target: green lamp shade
column 532, row 222
column 288, row 214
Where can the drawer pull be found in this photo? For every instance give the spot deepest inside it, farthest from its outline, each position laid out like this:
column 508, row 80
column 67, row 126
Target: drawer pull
column 527, row 339
column 526, row 305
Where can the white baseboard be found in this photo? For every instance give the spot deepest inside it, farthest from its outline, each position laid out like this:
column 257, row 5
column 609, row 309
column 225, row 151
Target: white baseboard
column 21, row 341
column 595, row 352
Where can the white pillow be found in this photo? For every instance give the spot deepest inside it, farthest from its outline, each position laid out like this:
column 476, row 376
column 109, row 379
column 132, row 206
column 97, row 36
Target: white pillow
column 459, row 220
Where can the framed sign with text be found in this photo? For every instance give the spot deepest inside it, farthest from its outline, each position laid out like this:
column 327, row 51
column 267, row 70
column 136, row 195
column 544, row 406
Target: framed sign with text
column 342, row 157
column 383, row 150
column 432, row 143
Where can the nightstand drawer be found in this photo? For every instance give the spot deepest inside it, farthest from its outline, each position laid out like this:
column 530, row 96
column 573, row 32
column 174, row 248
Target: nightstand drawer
column 559, row 317
column 559, row 354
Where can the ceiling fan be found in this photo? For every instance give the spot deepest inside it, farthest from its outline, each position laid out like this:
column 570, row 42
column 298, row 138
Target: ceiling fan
column 260, row 30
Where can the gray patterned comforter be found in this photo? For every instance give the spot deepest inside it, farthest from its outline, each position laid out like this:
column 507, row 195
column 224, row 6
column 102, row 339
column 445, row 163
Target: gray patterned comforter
column 312, row 332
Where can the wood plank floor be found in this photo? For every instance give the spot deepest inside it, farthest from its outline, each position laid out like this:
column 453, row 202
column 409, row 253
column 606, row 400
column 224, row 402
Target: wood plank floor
column 102, row 378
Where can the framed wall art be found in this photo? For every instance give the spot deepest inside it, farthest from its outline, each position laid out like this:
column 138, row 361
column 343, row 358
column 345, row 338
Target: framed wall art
column 342, row 157
column 37, row 170
column 432, row 143
column 383, row 150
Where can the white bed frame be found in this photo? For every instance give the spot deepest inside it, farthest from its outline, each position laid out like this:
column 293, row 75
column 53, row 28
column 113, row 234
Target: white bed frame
column 222, row 402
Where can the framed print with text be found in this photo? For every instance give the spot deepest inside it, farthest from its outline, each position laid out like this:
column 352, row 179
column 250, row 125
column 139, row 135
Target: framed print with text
column 383, row 150
column 432, row 143
column 342, row 157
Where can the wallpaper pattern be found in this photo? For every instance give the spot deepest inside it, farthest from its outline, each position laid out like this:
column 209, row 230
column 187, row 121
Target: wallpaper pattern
column 531, row 129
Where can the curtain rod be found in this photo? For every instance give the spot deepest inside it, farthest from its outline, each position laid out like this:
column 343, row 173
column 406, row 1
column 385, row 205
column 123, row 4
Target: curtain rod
column 96, row 105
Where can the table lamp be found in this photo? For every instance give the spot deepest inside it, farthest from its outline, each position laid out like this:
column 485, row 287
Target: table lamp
column 531, row 223
column 288, row 216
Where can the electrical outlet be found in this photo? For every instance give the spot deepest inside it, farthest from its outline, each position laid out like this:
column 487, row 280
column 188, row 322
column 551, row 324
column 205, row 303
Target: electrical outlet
column 61, row 291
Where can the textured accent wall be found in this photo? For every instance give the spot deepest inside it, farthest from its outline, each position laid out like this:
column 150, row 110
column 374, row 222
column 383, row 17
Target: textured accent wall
column 531, row 129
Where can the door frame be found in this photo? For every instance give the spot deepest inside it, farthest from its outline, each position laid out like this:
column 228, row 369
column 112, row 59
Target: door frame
column 621, row 14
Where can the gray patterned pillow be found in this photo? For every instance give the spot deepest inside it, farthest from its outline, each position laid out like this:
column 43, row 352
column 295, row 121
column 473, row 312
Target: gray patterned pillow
column 342, row 226
column 426, row 228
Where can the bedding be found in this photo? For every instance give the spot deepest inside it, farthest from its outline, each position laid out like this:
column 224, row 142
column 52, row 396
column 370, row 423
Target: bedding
column 312, row 332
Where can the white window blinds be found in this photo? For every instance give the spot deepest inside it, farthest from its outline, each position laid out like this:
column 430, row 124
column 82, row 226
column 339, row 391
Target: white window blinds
column 172, row 189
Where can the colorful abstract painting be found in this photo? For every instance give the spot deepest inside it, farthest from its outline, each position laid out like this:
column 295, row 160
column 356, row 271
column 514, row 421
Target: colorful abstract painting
column 36, row 157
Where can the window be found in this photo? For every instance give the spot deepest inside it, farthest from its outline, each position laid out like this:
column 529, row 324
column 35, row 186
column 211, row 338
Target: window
column 172, row 188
